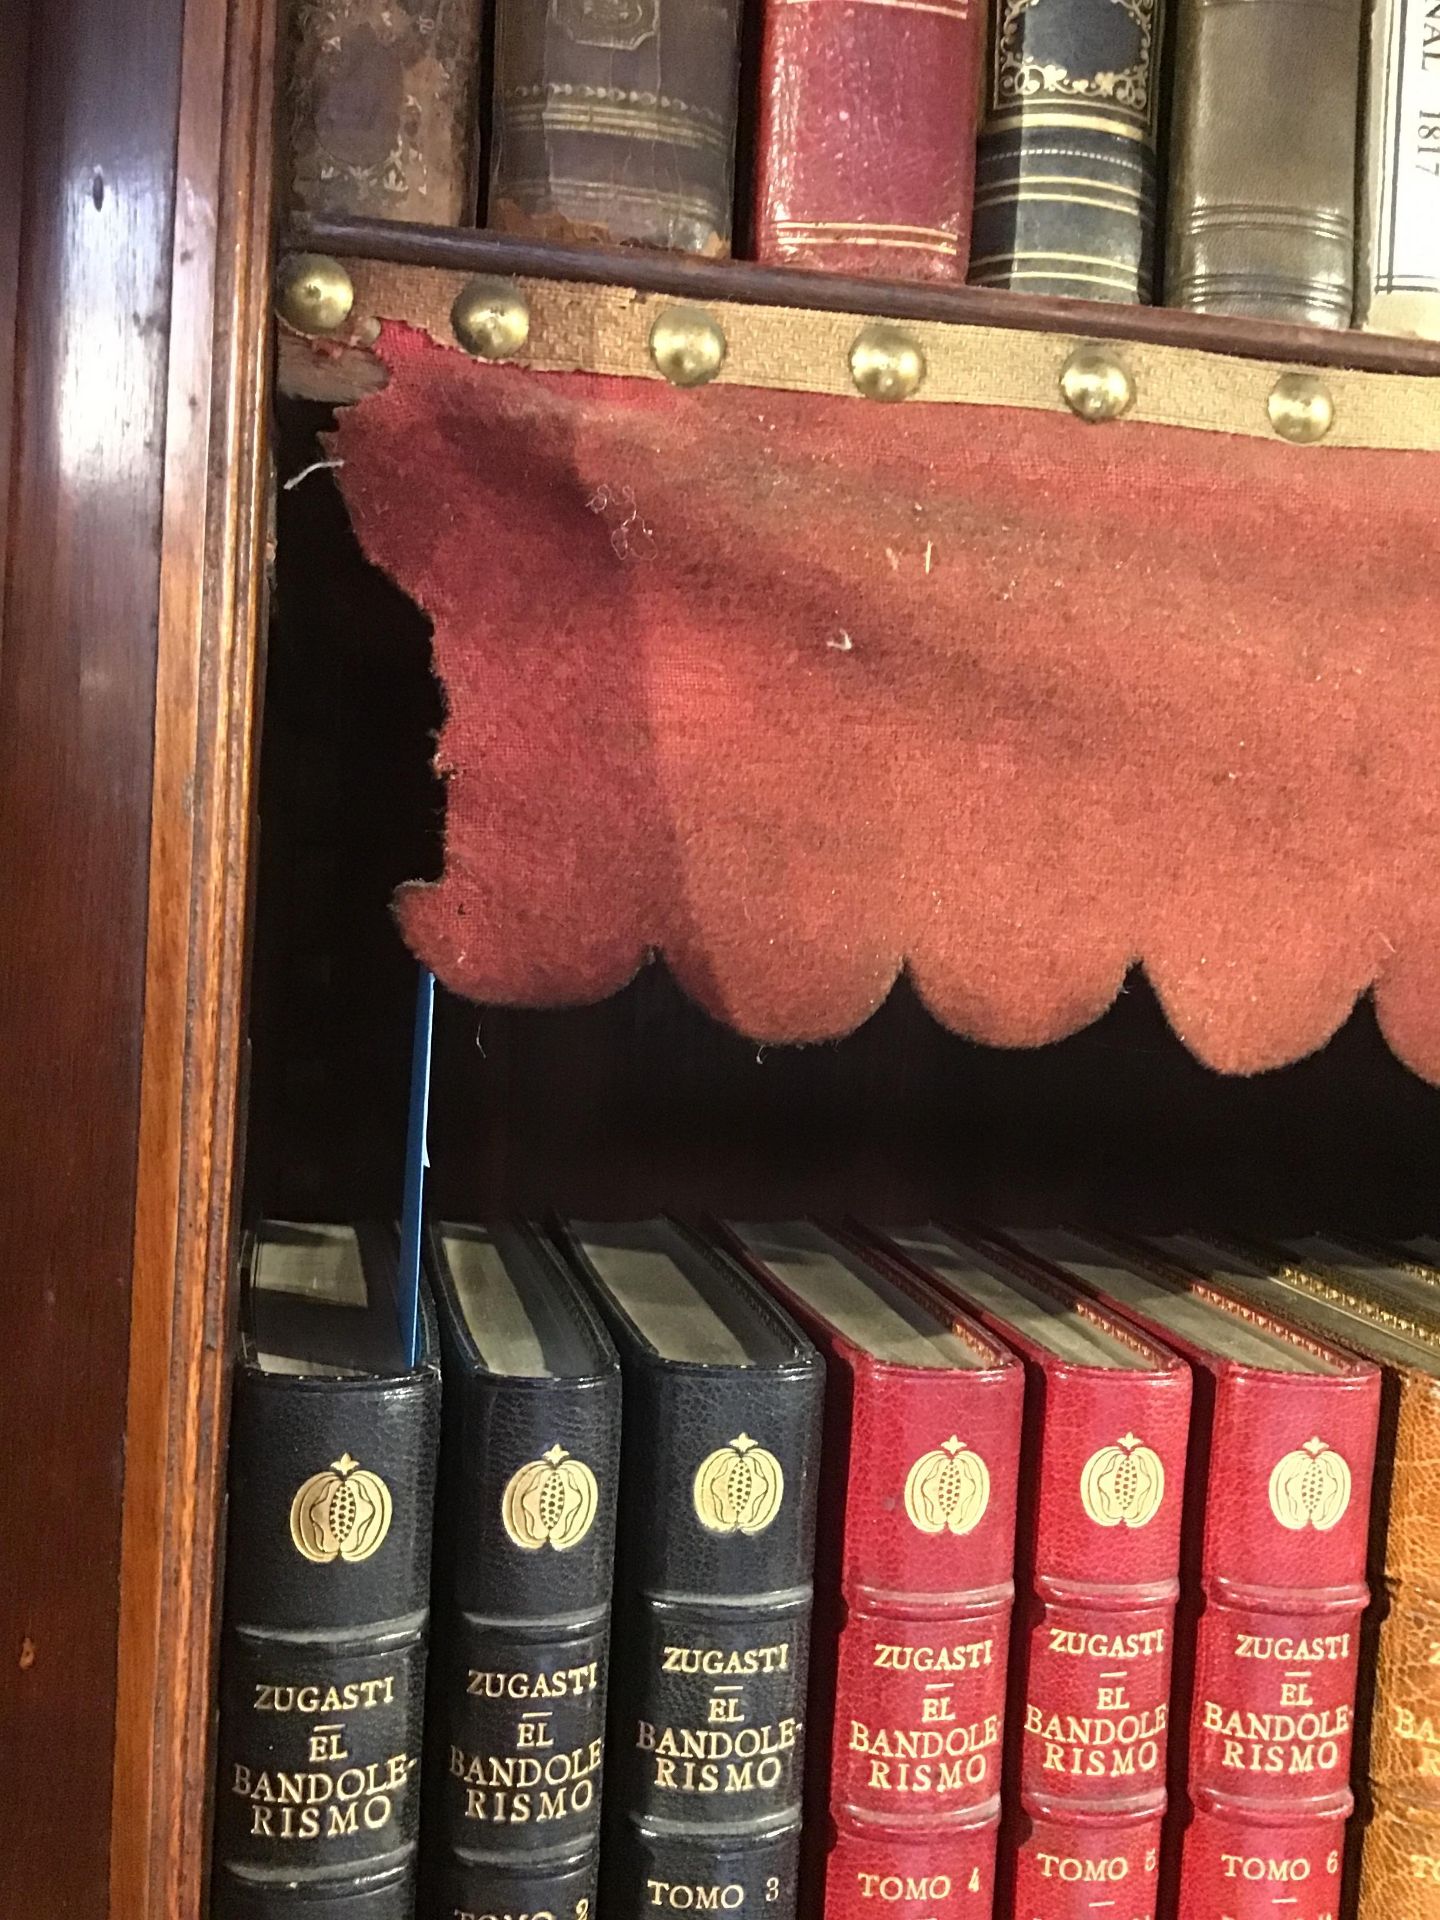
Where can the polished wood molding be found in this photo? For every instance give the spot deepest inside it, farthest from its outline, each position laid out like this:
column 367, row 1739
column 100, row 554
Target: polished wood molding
column 213, row 562
column 81, row 597
column 689, row 278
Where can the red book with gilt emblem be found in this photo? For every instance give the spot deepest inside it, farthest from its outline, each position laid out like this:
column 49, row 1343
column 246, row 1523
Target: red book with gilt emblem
column 913, row 1584
column 1282, row 1445
column 1102, row 1477
column 865, row 160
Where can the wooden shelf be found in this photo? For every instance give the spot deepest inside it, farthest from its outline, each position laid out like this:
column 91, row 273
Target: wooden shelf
column 464, row 250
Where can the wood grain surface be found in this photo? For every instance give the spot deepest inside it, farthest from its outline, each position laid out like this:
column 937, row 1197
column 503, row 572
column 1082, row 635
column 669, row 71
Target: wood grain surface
column 129, row 480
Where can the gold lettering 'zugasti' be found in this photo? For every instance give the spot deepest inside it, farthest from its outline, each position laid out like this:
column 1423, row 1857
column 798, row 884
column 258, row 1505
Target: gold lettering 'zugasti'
column 720, row 1662
column 1123, row 1484
column 738, row 1488
column 550, row 1502
column 947, row 1489
column 1310, row 1487
column 341, row 1514
column 964, row 1658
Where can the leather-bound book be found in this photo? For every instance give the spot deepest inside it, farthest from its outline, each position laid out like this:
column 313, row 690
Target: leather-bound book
column 1102, row 1478
column 1282, row 1446
column 1347, row 1295
column 713, row 1576
column 327, row 1584
column 1065, row 168
column 866, row 144
column 913, row 1581
column 524, row 1558
column 379, row 108
column 614, row 121
column 1261, row 207
column 1397, row 284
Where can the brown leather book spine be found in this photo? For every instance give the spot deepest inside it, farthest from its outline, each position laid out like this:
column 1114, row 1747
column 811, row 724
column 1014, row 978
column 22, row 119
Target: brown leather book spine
column 1262, row 183
column 380, row 108
column 614, row 121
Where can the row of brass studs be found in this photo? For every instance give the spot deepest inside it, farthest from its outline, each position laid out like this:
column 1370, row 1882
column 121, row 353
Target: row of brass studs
column 491, row 320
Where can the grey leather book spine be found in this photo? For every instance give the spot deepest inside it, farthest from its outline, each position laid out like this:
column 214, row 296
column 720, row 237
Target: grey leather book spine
column 1262, row 159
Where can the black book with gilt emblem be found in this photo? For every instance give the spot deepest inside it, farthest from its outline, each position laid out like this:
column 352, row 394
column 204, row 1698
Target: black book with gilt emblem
column 327, row 1586
column 525, row 1553
column 714, row 1577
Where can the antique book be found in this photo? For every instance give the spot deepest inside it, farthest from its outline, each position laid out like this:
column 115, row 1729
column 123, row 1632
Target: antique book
column 614, row 121
column 1102, row 1477
column 1397, row 281
column 327, row 1584
column 866, row 142
column 1344, row 1294
column 1261, row 206
column 713, row 1581
column 380, row 108
column 913, row 1580
column 524, row 1558
column 1065, row 169
column 1282, row 1445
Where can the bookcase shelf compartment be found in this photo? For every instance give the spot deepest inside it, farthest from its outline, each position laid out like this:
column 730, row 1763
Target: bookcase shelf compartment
column 802, row 692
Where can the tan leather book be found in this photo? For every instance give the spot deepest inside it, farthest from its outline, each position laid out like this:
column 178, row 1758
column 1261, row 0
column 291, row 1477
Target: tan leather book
column 1397, row 286
column 1366, row 1300
column 1262, row 159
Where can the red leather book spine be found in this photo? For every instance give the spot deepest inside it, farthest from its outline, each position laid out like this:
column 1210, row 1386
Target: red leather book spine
column 1270, row 1690
column 1104, row 1468
column 915, row 1553
column 868, row 111
column 926, row 1593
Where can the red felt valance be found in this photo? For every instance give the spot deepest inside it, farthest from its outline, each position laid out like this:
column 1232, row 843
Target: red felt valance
column 799, row 691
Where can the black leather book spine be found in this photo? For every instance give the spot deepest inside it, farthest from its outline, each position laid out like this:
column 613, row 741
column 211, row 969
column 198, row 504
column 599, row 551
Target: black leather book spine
column 525, row 1558
column 332, row 1486
column 712, row 1638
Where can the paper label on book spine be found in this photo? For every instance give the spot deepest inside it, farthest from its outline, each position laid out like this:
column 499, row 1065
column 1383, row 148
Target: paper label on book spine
column 1403, row 162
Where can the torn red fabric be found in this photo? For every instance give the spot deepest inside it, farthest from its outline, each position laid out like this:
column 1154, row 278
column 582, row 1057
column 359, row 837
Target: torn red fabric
column 800, row 691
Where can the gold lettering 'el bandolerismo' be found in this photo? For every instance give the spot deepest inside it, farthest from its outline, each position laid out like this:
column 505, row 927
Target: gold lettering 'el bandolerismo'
column 948, row 1488
column 340, row 1514
column 738, row 1488
column 1123, row 1485
column 551, row 1501
column 1310, row 1488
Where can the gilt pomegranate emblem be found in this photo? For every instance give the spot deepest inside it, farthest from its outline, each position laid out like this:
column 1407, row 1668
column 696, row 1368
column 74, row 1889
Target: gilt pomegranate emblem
column 340, row 1514
column 947, row 1489
column 550, row 1502
column 1123, row 1485
column 738, row 1488
column 1310, row 1488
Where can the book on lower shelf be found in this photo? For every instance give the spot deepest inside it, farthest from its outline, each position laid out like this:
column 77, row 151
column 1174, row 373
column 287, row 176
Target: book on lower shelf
column 913, row 1582
column 524, row 1558
column 1282, row 1447
column 327, row 1584
column 713, row 1595
column 1102, row 1477
column 1363, row 1298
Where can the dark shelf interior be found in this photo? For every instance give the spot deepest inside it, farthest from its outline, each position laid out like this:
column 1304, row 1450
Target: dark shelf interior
column 643, row 1102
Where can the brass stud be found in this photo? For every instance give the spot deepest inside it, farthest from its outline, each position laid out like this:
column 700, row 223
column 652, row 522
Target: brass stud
column 687, row 346
column 885, row 363
column 1300, row 408
column 314, row 294
column 1096, row 385
column 491, row 318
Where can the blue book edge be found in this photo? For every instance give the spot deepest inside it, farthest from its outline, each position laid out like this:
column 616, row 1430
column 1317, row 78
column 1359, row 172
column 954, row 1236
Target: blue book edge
column 417, row 1159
